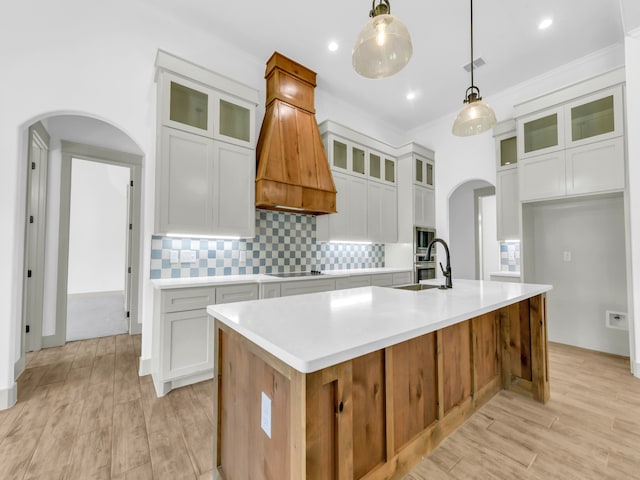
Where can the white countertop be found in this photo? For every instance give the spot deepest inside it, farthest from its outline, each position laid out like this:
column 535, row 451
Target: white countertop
column 505, row 274
column 161, row 283
column 314, row 331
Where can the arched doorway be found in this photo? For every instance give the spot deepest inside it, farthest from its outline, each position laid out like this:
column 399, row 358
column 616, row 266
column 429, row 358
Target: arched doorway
column 472, row 230
column 73, row 138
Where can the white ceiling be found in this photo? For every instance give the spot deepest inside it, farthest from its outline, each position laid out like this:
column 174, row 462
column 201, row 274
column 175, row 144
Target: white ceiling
column 505, row 36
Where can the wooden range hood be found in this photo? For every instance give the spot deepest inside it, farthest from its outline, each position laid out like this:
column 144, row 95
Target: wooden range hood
column 292, row 172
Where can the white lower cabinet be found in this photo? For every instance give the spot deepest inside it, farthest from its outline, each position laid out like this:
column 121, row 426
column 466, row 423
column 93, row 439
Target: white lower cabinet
column 299, row 287
column 269, row 290
column 382, row 280
column 402, row 278
column 183, row 349
column 353, row 282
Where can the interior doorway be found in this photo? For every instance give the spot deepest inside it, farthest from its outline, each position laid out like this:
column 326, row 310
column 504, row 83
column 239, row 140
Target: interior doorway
column 98, row 237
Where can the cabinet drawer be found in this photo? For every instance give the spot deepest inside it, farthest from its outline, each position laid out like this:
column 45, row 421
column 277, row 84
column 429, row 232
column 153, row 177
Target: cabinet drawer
column 236, row 293
column 353, row 282
column 402, row 278
column 269, row 290
column 306, row 286
column 382, row 280
column 191, row 298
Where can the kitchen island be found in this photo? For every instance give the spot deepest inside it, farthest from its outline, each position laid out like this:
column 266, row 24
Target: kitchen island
column 361, row 383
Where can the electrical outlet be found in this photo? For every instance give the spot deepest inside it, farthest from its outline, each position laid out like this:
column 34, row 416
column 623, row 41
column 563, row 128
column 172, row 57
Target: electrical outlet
column 187, row 256
column 174, row 256
column 566, row 256
column 265, row 414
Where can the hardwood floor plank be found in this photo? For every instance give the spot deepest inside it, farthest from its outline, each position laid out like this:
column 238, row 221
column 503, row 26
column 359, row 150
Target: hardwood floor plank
column 143, row 472
column 130, row 446
column 97, row 411
column 54, row 448
column 85, row 354
column 103, row 370
column 106, row 346
column 91, row 457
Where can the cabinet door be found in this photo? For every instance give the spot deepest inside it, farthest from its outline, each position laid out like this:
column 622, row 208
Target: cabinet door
column 350, row 221
column 507, row 204
column 235, row 193
column 389, row 214
column 402, row 278
column 596, row 167
column 541, row 133
column 375, row 207
column 357, row 194
column 542, row 177
column 382, row 279
column 594, row 118
column 269, row 290
column 353, row 282
column 299, row 287
column 184, row 195
column 187, row 343
column 187, row 105
column 235, row 121
column 423, row 207
column 236, row 293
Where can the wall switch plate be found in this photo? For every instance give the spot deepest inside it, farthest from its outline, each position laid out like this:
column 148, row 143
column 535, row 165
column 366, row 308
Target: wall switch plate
column 174, row 256
column 187, row 256
column 265, row 414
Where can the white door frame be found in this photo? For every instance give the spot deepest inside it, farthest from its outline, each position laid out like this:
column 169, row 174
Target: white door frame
column 34, row 251
column 72, row 150
column 477, row 194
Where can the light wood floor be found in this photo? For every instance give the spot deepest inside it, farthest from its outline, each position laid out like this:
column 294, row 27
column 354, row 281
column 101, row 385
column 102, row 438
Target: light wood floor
column 84, row 413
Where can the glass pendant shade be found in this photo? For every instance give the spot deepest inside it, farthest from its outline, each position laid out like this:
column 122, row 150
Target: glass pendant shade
column 382, row 48
column 474, row 118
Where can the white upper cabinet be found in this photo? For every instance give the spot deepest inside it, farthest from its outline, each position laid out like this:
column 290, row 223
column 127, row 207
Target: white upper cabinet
column 423, row 171
column 365, row 177
column 205, row 176
column 575, row 147
column 594, row 117
column 541, row 133
column 507, row 189
column 424, row 207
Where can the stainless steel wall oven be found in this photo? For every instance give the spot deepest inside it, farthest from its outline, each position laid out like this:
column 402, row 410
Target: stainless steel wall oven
column 424, row 268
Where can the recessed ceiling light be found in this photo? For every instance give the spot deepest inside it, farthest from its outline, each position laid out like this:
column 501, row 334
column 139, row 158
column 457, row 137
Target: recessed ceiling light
column 544, row 24
column 333, row 46
column 411, row 95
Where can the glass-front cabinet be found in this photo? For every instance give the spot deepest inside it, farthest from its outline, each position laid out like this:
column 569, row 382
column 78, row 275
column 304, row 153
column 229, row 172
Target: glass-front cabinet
column 195, row 108
column 423, row 171
column 382, row 167
column 595, row 117
column 590, row 118
column 541, row 133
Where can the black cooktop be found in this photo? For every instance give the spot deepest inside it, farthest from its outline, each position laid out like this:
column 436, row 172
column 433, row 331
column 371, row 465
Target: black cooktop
column 311, row 273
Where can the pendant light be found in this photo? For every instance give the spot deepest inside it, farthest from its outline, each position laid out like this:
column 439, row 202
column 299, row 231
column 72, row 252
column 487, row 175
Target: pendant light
column 476, row 116
column 383, row 47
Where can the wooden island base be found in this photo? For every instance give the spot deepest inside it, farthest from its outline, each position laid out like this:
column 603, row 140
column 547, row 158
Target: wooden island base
column 375, row 416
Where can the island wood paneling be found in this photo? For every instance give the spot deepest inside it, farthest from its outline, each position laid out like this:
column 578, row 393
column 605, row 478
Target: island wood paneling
column 486, row 331
column 415, row 396
column 244, row 445
column 369, row 416
column 456, row 355
column 375, row 416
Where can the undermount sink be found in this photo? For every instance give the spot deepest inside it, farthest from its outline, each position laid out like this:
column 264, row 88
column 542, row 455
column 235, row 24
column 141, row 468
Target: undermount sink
column 416, row 286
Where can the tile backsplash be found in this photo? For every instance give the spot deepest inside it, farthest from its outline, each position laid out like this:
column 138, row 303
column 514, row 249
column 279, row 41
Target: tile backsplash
column 509, row 256
column 284, row 242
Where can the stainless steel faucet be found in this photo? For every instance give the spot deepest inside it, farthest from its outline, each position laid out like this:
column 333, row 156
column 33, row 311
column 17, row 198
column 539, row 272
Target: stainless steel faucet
column 445, row 271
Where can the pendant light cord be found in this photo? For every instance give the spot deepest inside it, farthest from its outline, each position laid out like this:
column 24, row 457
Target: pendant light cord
column 472, row 84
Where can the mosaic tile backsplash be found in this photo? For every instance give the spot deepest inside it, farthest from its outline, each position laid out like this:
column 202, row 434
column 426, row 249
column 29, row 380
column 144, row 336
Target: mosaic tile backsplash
column 284, row 242
column 509, row 256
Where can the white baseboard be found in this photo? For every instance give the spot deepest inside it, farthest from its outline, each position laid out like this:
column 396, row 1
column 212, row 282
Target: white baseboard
column 635, row 369
column 145, row 367
column 8, row 396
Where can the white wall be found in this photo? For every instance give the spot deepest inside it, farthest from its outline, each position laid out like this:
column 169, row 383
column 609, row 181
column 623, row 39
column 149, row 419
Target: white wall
column 594, row 280
column 97, row 233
